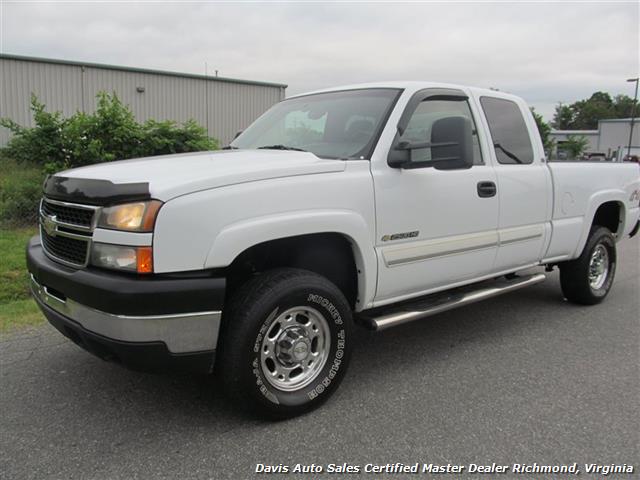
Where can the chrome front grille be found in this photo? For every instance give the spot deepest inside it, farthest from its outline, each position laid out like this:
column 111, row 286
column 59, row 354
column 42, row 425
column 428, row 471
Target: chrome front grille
column 71, row 215
column 66, row 231
column 71, row 250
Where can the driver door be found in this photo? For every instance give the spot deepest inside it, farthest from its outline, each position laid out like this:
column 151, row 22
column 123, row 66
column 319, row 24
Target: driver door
column 435, row 228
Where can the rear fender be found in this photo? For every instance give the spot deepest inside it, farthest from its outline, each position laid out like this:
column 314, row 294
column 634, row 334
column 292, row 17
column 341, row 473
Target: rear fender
column 595, row 201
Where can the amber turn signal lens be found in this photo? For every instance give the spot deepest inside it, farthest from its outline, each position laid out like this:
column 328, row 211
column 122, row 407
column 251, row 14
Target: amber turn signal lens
column 145, row 260
column 150, row 215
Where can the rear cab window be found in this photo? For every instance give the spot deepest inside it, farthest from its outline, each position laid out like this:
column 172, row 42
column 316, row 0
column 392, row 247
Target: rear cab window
column 509, row 132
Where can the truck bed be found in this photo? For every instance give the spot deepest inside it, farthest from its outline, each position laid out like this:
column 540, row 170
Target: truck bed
column 578, row 190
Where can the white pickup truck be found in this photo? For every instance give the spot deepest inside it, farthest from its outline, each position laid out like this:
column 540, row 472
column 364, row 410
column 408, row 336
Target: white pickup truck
column 375, row 204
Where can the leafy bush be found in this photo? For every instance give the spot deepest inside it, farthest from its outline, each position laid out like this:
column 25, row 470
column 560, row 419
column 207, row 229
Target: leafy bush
column 20, row 191
column 36, row 145
column 161, row 138
column 574, row 145
column 57, row 143
column 111, row 133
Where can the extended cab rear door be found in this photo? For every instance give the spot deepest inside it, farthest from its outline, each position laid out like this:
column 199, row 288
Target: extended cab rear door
column 523, row 181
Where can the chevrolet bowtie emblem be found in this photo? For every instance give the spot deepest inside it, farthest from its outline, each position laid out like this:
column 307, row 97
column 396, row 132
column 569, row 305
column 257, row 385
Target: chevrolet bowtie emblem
column 49, row 224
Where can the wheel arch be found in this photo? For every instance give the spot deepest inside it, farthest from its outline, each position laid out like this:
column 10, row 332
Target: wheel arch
column 334, row 244
column 611, row 215
column 606, row 209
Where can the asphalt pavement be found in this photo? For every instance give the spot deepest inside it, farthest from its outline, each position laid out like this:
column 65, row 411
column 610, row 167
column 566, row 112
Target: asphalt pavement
column 522, row 378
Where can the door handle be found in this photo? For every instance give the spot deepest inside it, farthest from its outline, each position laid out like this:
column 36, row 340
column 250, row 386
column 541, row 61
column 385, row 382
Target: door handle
column 486, row 189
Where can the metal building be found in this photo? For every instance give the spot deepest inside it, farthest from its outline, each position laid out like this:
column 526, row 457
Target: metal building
column 222, row 105
column 614, row 136
column 562, row 136
column 610, row 139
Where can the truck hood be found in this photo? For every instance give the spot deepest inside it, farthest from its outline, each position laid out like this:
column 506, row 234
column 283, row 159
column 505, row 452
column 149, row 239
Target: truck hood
column 169, row 176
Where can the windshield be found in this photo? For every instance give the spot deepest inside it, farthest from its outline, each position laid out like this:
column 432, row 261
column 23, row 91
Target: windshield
column 342, row 124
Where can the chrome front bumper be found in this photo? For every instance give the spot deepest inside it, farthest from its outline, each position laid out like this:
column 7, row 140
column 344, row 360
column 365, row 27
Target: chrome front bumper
column 181, row 333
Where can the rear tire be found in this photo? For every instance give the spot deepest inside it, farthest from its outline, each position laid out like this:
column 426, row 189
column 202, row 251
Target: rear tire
column 285, row 343
column 588, row 279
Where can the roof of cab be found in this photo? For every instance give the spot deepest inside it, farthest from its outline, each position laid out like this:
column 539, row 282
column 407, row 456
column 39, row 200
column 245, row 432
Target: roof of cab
column 411, row 86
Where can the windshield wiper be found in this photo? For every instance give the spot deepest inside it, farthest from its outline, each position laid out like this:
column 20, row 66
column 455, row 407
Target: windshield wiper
column 280, row 147
column 230, row 147
column 508, row 153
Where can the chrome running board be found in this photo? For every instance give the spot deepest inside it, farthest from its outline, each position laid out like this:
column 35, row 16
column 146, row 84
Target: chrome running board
column 438, row 303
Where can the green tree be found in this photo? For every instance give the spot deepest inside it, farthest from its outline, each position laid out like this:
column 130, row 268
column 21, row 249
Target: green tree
column 585, row 114
column 623, row 106
column 544, row 129
column 575, row 145
column 563, row 117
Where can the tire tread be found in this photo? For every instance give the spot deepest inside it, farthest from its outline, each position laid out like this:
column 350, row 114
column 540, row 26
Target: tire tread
column 574, row 274
column 236, row 330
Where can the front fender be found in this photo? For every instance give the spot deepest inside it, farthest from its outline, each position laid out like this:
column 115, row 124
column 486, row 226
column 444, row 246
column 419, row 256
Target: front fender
column 235, row 238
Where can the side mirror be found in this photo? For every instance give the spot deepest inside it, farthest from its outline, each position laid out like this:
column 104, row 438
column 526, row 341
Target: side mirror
column 455, row 139
column 451, row 147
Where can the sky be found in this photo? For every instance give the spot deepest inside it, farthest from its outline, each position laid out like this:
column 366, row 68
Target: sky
column 546, row 52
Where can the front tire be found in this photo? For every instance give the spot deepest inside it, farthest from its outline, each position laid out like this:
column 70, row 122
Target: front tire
column 588, row 279
column 286, row 343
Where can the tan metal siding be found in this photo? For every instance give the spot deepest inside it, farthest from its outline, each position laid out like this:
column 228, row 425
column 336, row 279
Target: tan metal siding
column 232, row 107
column 57, row 86
column 71, row 87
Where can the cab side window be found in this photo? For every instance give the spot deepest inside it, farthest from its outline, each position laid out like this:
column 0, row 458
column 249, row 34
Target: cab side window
column 510, row 135
column 419, row 126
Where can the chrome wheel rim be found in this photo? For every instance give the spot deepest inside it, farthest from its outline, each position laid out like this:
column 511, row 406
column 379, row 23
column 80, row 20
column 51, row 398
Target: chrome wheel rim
column 295, row 348
column 598, row 267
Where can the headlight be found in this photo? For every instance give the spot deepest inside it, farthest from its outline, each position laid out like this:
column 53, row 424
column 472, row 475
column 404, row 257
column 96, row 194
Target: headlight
column 133, row 217
column 121, row 257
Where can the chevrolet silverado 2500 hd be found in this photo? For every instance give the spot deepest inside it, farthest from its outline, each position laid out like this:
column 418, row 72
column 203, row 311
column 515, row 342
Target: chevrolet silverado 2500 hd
column 379, row 204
